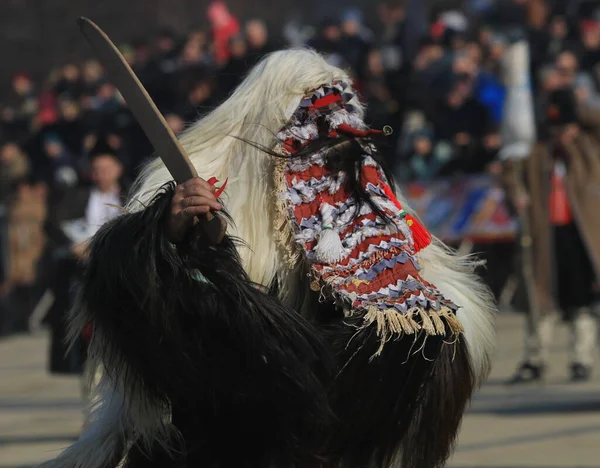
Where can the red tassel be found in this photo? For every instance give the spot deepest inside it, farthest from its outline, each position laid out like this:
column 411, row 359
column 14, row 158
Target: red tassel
column 421, row 236
column 388, row 192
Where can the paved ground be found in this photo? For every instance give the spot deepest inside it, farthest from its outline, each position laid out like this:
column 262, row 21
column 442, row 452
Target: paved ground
column 556, row 425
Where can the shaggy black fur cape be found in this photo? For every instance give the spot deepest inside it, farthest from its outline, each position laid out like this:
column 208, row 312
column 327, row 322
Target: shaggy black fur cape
column 249, row 382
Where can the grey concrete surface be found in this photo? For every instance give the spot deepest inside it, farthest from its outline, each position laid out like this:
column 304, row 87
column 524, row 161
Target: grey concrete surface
column 540, row 426
column 543, row 426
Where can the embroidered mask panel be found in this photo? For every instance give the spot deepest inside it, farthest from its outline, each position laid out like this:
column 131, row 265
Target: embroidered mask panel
column 363, row 254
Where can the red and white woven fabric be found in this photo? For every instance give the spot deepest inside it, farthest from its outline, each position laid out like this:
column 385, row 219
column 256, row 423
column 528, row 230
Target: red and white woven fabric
column 368, row 264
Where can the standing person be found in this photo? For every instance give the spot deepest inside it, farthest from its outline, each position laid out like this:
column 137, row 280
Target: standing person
column 162, row 69
column 556, row 190
column 236, row 67
column 224, row 27
column 356, row 41
column 335, row 302
column 258, row 40
column 24, row 99
column 70, row 128
column 590, row 39
column 74, row 218
column 392, row 16
column 57, row 167
column 70, row 84
column 14, row 167
column 27, row 213
column 327, row 41
column 560, row 36
column 199, row 95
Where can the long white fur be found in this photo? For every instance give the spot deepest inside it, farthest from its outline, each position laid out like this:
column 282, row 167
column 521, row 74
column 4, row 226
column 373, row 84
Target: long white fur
column 101, row 445
column 260, row 106
column 454, row 277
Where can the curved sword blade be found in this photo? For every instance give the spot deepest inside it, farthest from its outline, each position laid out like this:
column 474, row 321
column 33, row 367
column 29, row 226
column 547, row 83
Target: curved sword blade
column 147, row 114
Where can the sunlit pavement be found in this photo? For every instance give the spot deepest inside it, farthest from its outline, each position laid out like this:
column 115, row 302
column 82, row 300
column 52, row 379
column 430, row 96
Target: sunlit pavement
column 556, row 425
column 39, row 414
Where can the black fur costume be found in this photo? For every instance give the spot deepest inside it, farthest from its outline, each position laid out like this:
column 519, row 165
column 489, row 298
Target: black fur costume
column 249, row 382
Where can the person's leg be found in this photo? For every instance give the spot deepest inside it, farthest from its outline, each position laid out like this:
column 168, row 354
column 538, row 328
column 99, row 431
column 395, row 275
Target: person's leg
column 575, row 295
column 497, row 270
column 538, row 340
column 4, row 309
column 24, row 304
column 584, row 336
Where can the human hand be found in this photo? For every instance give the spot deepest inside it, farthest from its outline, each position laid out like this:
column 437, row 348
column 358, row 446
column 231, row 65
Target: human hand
column 191, row 199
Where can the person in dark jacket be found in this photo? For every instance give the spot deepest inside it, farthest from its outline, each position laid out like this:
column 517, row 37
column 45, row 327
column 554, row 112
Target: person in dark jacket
column 74, row 217
column 258, row 41
column 236, row 68
column 555, row 189
column 355, row 42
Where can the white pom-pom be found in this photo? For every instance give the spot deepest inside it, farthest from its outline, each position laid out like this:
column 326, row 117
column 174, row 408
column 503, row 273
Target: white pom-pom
column 330, row 248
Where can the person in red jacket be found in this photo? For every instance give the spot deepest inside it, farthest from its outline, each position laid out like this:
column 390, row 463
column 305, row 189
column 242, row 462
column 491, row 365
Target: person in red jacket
column 224, row 27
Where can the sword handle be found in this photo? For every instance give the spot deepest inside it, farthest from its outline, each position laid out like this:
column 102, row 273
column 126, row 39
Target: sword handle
column 214, row 227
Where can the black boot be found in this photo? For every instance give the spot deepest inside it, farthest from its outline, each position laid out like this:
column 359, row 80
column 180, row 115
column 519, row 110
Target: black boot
column 580, row 372
column 528, row 373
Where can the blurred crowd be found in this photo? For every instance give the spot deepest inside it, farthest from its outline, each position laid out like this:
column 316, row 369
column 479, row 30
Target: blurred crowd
column 433, row 75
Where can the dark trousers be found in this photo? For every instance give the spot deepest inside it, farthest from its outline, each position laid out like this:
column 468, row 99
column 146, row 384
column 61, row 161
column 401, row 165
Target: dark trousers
column 19, row 305
column 64, row 359
column 574, row 272
column 499, row 264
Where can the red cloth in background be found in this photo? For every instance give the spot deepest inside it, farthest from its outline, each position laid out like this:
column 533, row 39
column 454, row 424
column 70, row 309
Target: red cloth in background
column 560, row 208
column 47, row 112
column 224, row 27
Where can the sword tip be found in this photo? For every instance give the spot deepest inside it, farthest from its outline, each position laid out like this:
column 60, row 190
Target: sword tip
column 82, row 21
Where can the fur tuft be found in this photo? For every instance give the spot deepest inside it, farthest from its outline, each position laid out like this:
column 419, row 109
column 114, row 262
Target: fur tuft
column 456, row 279
column 387, row 404
column 103, row 445
column 441, row 403
column 185, row 328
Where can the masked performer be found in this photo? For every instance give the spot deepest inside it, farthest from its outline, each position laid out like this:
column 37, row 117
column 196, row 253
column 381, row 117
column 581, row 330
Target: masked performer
column 328, row 329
